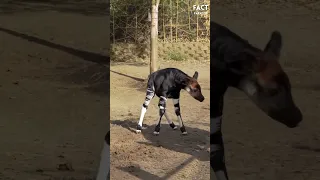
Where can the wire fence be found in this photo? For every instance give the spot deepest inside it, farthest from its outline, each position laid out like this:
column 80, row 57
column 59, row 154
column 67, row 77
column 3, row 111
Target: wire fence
column 179, row 21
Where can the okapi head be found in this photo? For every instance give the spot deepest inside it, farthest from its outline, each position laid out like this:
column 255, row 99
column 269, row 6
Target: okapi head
column 193, row 88
column 267, row 85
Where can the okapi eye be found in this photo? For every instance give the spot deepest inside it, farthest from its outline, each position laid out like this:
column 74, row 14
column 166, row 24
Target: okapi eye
column 195, row 90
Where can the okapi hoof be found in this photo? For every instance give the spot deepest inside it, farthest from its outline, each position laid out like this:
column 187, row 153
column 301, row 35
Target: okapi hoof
column 183, row 130
column 157, row 130
column 173, row 126
column 138, row 130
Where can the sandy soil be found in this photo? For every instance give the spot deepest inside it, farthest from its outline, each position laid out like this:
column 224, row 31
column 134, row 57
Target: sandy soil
column 169, row 155
column 54, row 114
column 256, row 146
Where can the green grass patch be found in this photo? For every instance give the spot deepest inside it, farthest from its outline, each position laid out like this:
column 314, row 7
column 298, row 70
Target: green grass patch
column 176, row 56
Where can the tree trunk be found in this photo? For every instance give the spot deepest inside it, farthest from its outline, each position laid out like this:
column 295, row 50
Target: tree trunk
column 154, row 36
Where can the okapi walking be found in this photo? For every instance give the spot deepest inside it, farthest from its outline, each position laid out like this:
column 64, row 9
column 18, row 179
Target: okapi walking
column 167, row 84
column 236, row 63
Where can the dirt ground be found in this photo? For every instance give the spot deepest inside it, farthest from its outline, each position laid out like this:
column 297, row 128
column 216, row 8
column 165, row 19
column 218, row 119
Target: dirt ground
column 169, row 155
column 54, row 113
column 256, row 146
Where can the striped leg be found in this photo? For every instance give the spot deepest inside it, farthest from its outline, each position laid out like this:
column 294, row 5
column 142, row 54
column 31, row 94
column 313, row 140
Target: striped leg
column 217, row 161
column 162, row 111
column 104, row 167
column 172, row 125
column 149, row 95
column 177, row 111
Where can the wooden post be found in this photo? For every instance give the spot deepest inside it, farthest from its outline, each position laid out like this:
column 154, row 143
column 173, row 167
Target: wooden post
column 136, row 30
column 189, row 14
column 171, row 21
column 113, row 28
column 154, row 36
column 163, row 24
column 177, row 17
column 197, row 27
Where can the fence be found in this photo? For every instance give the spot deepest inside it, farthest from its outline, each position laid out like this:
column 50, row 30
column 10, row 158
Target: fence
column 130, row 21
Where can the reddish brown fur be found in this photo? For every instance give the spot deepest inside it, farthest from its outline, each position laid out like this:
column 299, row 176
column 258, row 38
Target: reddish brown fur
column 269, row 67
column 194, row 83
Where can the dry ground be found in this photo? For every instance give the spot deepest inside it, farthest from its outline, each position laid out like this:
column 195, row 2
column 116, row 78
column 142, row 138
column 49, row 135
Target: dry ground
column 256, row 147
column 54, row 115
column 169, row 155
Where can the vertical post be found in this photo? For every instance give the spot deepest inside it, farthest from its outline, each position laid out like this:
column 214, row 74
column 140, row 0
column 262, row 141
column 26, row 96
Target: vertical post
column 197, row 24
column 171, row 21
column 189, row 10
column 113, row 28
column 136, row 30
column 154, row 36
column 197, row 27
column 177, row 4
column 163, row 23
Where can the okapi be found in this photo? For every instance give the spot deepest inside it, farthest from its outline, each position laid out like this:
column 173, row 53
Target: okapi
column 236, row 63
column 167, row 84
column 104, row 167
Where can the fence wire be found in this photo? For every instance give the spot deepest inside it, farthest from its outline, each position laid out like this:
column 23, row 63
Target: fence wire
column 178, row 22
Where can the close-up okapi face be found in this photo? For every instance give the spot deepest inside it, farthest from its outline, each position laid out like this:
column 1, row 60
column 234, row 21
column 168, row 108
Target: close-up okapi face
column 269, row 86
column 194, row 88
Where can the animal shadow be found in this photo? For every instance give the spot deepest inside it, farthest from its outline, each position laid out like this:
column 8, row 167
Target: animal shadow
column 138, row 172
column 306, row 148
column 195, row 143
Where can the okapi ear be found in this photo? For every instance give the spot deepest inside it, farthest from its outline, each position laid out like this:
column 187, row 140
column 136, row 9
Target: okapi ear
column 251, row 61
column 275, row 44
column 196, row 74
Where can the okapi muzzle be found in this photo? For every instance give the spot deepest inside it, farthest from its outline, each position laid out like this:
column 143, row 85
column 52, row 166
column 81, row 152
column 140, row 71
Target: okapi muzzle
column 194, row 88
column 269, row 86
column 276, row 102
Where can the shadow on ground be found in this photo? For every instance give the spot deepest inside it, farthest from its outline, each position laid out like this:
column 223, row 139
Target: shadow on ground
column 96, row 76
column 306, row 148
column 85, row 55
column 195, row 144
column 138, row 172
column 128, row 76
column 138, row 84
column 84, row 7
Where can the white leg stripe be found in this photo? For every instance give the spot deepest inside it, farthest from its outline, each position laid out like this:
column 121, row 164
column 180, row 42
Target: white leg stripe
column 147, row 102
column 175, row 101
column 180, row 121
column 104, row 167
column 161, row 107
column 162, row 97
column 150, row 96
column 167, row 117
column 143, row 112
